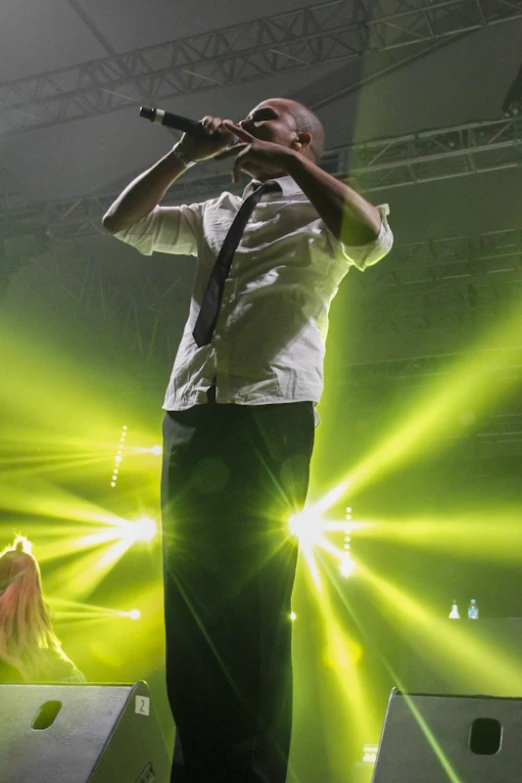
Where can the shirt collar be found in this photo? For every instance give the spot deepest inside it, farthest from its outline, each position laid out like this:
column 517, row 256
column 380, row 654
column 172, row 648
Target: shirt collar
column 288, row 186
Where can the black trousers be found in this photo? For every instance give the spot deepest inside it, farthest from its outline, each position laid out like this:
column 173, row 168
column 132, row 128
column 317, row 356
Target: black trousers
column 232, row 477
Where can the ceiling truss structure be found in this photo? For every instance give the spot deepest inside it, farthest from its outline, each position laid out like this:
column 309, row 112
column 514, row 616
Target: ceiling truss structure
column 138, row 321
column 146, row 313
column 498, row 434
column 417, row 370
column 443, row 283
column 464, row 150
column 339, row 30
column 434, row 283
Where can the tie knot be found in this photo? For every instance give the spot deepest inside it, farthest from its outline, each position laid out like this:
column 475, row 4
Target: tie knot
column 260, row 188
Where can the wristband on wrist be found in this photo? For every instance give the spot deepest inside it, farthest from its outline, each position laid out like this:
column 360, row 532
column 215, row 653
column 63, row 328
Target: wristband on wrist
column 187, row 162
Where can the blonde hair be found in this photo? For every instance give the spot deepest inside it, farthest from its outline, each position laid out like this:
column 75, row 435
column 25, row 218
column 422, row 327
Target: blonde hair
column 26, row 632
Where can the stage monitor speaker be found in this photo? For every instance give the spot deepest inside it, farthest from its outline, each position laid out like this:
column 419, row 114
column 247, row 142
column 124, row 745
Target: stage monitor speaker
column 435, row 739
column 80, row 734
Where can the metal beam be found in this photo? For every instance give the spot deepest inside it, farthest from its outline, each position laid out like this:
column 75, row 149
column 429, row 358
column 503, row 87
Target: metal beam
column 139, row 320
column 342, row 30
column 370, row 386
column 142, row 316
column 464, row 150
column 437, row 264
column 443, row 282
column 452, row 281
column 416, row 370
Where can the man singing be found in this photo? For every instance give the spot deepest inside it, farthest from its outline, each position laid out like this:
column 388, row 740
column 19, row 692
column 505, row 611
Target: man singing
column 239, row 422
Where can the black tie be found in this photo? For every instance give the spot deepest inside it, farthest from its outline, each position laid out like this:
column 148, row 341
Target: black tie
column 208, row 314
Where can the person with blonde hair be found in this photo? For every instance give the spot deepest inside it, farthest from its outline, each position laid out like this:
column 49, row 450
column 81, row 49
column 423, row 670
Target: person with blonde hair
column 30, row 651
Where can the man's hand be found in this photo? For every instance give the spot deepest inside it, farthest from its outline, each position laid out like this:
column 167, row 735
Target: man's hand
column 219, row 137
column 253, row 155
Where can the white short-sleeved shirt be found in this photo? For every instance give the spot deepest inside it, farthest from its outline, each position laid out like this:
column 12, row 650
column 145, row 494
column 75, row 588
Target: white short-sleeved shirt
column 269, row 341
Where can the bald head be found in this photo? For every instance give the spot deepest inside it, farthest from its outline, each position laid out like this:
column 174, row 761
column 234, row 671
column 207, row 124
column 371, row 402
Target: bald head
column 306, row 122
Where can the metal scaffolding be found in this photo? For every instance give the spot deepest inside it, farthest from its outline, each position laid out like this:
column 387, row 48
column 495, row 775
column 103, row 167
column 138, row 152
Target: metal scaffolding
column 447, row 282
column 138, row 320
column 374, row 385
column 342, row 30
column 417, row 370
column 463, row 150
column 444, row 282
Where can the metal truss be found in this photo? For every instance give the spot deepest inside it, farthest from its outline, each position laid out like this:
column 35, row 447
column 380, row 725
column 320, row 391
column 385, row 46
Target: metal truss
column 500, row 436
column 12, row 195
column 139, row 320
column 444, row 282
column 341, row 30
column 147, row 314
column 464, row 150
column 418, row 370
column 473, row 148
column 430, row 285
column 371, row 386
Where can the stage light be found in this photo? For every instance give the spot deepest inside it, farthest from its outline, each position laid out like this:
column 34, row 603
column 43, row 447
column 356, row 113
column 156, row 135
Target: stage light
column 469, row 534
column 293, row 616
column 118, row 458
column 369, row 753
column 66, row 610
column 347, row 565
column 134, row 450
column 342, row 654
column 306, row 526
column 312, row 532
column 145, row 529
column 478, row 374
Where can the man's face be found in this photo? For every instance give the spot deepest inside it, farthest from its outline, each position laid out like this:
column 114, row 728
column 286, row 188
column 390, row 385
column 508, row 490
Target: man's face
column 271, row 121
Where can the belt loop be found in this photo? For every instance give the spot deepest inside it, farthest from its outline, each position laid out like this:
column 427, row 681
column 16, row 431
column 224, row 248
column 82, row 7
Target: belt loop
column 211, row 394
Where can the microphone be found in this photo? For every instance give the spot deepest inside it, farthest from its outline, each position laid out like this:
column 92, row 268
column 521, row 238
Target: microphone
column 175, row 121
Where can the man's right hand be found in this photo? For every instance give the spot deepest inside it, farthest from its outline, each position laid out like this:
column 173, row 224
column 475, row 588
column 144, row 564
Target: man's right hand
column 146, row 191
column 219, row 138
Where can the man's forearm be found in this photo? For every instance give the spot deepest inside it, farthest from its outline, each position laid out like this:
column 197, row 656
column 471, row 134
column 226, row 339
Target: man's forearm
column 143, row 194
column 346, row 213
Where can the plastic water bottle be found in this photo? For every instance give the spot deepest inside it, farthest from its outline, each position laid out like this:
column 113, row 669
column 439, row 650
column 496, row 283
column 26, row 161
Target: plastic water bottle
column 473, row 612
column 454, row 614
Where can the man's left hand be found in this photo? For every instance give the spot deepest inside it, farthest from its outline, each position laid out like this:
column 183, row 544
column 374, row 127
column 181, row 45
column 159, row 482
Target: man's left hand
column 251, row 153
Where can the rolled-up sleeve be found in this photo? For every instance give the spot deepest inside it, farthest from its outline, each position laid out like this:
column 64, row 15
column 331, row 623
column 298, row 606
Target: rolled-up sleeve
column 363, row 256
column 166, row 230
